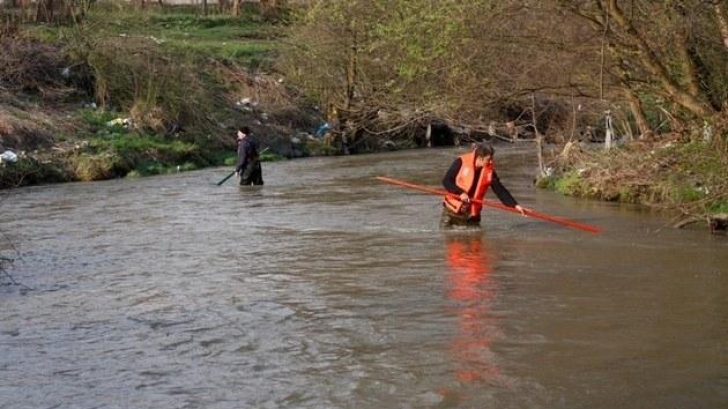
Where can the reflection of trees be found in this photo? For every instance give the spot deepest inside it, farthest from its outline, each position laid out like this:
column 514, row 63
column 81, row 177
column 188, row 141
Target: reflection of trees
column 472, row 292
column 5, row 261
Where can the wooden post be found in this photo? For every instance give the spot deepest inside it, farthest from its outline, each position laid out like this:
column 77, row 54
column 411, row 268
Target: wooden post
column 609, row 131
column 539, row 138
column 428, row 135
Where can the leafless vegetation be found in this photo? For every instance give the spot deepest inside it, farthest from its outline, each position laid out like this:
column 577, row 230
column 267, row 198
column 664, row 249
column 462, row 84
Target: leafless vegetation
column 464, row 61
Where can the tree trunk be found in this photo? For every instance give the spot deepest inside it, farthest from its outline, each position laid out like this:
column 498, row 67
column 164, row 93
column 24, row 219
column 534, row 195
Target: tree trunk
column 652, row 63
column 635, row 105
column 204, row 8
column 539, row 138
column 720, row 14
column 351, row 68
column 236, row 7
column 224, row 5
column 44, row 11
column 271, row 9
column 687, row 65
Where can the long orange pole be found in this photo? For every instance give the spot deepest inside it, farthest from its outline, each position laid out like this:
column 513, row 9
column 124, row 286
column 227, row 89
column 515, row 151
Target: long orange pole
column 529, row 213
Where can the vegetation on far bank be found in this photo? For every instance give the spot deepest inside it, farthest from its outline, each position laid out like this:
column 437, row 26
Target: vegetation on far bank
column 553, row 71
column 128, row 92
column 686, row 177
column 404, row 72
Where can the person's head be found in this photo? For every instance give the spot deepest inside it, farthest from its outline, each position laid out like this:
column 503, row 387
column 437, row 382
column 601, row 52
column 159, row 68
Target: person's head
column 483, row 155
column 243, row 131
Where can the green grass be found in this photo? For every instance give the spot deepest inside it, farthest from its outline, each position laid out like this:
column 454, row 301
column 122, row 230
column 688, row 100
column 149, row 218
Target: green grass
column 568, row 184
column 97, row 121
column 246, row 39
column 685, row 194
column 130, row 143
column 720, row 207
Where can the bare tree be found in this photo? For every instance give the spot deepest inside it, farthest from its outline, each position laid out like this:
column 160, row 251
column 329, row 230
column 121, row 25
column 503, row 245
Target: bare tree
column 44, row 11
column 722, row 18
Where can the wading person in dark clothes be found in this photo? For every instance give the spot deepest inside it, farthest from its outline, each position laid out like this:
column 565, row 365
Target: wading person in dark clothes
column 469, row 177
column 248, row 170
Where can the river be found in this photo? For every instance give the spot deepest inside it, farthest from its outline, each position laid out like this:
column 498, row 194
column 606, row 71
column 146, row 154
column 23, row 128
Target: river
column 327, row 289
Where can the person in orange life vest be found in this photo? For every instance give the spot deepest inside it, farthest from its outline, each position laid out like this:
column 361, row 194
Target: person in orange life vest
column 469, row 177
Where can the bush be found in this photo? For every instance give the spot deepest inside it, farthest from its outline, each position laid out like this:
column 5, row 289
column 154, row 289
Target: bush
column 568, row 184
column 30, row 66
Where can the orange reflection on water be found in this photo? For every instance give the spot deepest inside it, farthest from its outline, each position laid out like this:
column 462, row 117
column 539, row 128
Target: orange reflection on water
column 472, row 291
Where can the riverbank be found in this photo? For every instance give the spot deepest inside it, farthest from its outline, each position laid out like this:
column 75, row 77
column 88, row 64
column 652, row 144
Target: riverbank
column 127, row 93
column 686, row 178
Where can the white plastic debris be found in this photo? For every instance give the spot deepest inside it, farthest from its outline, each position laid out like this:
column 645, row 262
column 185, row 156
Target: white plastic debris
column 156, row 40
column 244, row 101
column 8, row 156
column 125, row 122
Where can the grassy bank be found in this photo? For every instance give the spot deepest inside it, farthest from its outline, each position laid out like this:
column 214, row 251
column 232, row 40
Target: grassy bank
column 132, row 93
column 686, row 178
column 246, row 39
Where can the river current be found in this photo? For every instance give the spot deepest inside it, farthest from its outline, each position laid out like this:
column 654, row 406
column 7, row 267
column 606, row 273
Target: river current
column 328, row 289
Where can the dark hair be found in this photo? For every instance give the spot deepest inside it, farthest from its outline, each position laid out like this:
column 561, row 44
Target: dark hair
column 483, row 150
column 244, row 129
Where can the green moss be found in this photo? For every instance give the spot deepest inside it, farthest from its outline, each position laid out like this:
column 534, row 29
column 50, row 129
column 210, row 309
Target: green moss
column 270, row 157
column 686, row 194
column 548, row 182
column 135, row 143
column 569, row 183
column 230, row 161
column 627, row 194
column 718, row 207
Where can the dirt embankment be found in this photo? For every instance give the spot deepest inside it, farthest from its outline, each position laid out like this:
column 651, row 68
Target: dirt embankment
column 127, row 108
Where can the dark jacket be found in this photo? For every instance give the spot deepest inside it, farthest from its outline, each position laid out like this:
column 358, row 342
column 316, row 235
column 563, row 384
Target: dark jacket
column 247, row 153
column 449, row 182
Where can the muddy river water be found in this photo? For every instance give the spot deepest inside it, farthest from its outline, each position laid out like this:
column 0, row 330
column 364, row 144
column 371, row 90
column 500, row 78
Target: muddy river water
column 327, row 289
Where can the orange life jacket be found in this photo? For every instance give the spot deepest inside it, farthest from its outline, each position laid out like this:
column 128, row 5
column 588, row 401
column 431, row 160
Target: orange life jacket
column 464, row 180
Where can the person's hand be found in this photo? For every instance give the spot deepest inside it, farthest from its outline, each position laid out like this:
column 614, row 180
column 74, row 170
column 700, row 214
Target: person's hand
column 464, row 198
column 522, row 210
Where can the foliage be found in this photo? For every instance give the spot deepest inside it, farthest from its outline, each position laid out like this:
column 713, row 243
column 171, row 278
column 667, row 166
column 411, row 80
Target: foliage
column 688, row 176
column 30, row 66
column 271, row 157
column 457, row 59
column 719, row 207
column 569, row 183
column 29, row 171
